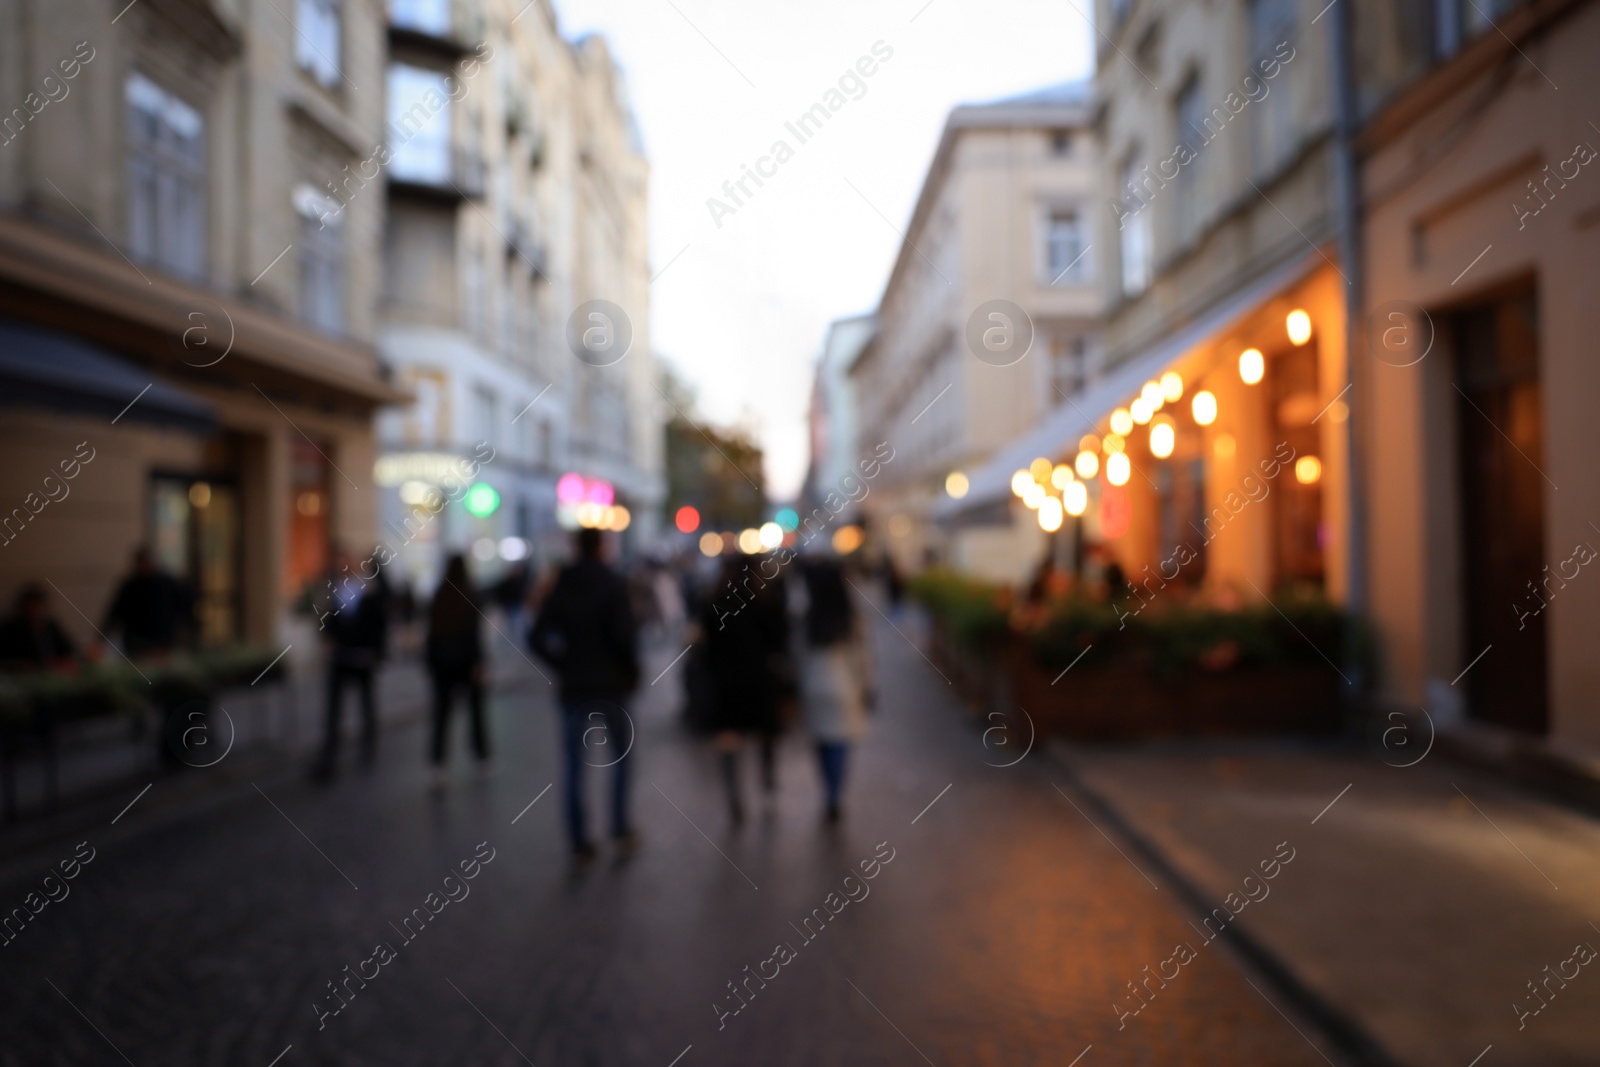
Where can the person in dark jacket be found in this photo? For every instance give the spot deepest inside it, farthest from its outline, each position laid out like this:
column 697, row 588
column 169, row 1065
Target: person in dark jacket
column 455, row 660
column 31, row 640
column 585, row 631
column 355, row 627
column 153, row 609
column 746, row 639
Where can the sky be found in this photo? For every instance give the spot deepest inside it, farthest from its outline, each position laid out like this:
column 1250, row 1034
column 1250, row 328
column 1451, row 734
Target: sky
column 741, row 301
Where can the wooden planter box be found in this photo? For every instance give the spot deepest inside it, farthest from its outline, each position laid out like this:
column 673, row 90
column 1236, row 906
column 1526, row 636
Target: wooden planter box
column 1127, row 702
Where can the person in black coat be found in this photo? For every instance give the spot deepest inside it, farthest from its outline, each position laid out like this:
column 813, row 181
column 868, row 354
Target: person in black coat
column 31, row 639
column 455, row 660
column 585, row 630
column 153, row 609
column 355, row 627
column 746, row 636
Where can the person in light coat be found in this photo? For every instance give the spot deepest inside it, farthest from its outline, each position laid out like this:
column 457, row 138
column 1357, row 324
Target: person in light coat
column 836, row 687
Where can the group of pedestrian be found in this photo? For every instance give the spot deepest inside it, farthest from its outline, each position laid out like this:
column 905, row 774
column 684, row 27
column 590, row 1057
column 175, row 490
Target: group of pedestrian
column 793, row 650
column 754, row 674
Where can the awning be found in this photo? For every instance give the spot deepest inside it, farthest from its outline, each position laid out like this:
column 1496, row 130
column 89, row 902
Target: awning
column 49, row 369
column 1059, row 431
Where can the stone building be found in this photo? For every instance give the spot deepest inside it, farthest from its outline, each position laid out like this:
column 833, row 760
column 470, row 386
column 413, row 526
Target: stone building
column 179, row 328
column 997, row 253
column 1359, row 231
column 516, row 200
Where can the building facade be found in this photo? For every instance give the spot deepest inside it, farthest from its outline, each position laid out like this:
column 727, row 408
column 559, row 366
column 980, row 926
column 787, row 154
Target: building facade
column 516, row 214
column 181, row 334
column 1316, row 234
column 833, row 421
column 1482, row 236
column 998, row 253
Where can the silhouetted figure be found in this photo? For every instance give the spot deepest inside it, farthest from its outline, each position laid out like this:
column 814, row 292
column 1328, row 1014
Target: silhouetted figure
column 30, row 639
column 585, row 631
column 746, row 628
column 153, row 609
column 455, row 660
column 355, row 627
column 835, row 675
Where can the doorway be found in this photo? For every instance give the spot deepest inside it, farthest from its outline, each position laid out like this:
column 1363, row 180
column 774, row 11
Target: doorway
column 1500, row 436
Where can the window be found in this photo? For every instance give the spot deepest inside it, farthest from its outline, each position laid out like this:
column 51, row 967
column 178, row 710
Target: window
column 419, row 125
column 426, row 16
column 1061, row 143
column 317, row 40
column 1063, row 245
column 167, row 208
column 321, row 248
column 1069, row 367
column 1477, row 16
column 1272, row 23
column 1191, row 132
column 1134, row 233
column 1120, row 9
column 473, row 280
column 484, row 403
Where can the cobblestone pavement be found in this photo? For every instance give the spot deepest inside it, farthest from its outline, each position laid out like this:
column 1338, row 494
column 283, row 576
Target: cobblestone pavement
column 1002, row 930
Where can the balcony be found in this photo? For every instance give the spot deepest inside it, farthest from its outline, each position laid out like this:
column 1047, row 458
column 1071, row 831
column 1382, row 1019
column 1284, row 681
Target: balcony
column 431, row 172
column 445, row 29
column 523, row 246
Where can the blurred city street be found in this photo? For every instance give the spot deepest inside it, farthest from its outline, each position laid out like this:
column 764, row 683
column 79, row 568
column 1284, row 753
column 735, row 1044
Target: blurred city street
column 608, row 533
column 1002, row 931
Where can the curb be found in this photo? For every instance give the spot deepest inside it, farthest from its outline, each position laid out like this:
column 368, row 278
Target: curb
column 1348, row 1038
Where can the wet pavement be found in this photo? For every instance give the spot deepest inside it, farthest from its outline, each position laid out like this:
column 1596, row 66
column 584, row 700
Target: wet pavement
column 1000, row 925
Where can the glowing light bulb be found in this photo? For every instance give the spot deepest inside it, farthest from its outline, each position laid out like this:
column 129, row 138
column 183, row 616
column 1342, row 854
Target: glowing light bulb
column 1141, row 411
column 1299, row 326
column 1076, row 498
column 1050, row 515
column 1035, row 495
column 1020, row 482
column 1118, row 468
column 1204, row 406
column 1162, row 440
column 1121, row 422
column 1152, row 396
column 1171, row 387
column 1040, row 469
column 1114, row 443
column 1088, row 464
column 955, row 483
column 1061, row 476
column 1252, row 366
column 1307, row 470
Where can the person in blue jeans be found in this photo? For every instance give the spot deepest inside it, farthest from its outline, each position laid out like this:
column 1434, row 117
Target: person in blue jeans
column 585, row 630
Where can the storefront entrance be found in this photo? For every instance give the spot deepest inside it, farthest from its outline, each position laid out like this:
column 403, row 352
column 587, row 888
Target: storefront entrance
column 1501, row 425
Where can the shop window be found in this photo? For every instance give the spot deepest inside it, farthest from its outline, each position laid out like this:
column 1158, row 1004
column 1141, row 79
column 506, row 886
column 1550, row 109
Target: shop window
column 309, row 519
column 1300, row 535
column 194, row 536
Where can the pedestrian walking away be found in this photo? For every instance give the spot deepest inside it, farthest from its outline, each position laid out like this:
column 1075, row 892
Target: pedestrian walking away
column 454, row 653
column 747, row 661
column 836, row 681
column 355, row 625
column 585, row 630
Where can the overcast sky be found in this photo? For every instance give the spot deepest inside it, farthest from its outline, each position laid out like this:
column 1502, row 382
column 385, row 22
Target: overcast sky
column 742, row 308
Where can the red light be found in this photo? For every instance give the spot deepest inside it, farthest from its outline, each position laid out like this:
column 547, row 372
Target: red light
column 1116, row 511
column 688, row 519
